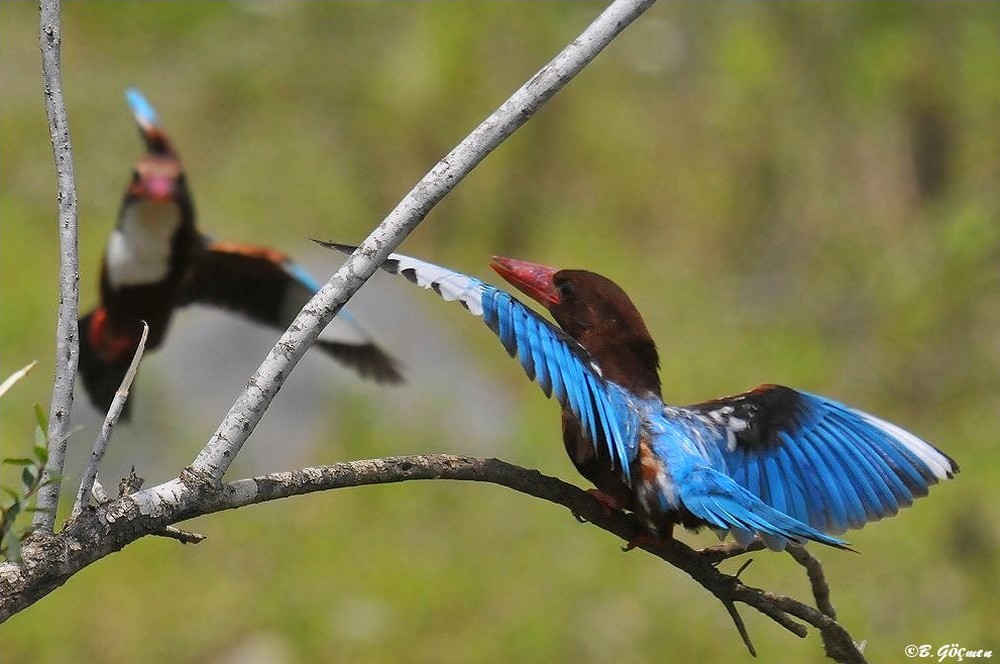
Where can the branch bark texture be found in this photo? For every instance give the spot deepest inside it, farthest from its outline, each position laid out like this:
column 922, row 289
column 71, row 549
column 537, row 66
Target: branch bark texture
column 97, row 532
column 67, row 344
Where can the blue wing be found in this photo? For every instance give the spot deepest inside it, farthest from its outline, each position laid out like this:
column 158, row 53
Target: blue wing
column 550, row 357
column 817, row 460
column 680, row 473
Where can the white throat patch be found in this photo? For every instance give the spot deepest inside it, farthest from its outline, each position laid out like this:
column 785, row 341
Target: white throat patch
column 138, row 251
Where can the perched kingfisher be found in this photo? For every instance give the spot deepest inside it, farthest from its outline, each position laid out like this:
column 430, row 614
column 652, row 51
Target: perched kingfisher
column 773, row 463
column 156, row 260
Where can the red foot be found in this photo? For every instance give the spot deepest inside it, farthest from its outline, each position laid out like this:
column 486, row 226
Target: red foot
column 647, row 537
column 606, row 500
column 639, row 540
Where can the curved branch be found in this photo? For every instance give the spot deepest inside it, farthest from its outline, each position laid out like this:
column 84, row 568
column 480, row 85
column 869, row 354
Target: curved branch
column 222, row 448
column 701, row 567
column 67, row 345
column 50, row 560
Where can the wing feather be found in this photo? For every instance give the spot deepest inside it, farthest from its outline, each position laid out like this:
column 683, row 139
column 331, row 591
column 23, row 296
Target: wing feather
column 819, row 461
column 269, row 288
column 562, row 368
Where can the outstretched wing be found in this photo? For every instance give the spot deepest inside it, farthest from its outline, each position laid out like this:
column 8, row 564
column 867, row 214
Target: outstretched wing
column 817, row 460
column 268, row 287
column 550, row 357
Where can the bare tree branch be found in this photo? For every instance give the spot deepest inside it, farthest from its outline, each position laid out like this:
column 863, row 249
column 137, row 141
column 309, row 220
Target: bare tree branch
column 110, row 420
column 67, row 344
column 99, row 531
column 222, row 448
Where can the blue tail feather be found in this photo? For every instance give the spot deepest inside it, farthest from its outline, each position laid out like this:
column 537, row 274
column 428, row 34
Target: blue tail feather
column 714, row 497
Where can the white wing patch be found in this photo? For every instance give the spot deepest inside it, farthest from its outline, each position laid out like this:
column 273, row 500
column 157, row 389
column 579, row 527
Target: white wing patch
column 448, row 284
column 138, row 251
column 724, row 417
column 938, row 463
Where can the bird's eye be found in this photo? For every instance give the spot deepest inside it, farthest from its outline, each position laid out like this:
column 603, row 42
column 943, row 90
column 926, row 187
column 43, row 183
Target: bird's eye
column 565, row 289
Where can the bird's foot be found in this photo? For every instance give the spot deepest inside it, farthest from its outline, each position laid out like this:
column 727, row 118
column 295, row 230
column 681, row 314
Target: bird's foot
column 643, row 539
column 607, row 501
column 660, row 535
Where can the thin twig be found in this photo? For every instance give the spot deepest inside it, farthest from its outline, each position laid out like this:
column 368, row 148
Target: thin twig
column 222, row 448
column 817, row 579
column 821, row 593
column 110, row 420
column 67, row 345
column 778, row 614
column 726, row 550
column 740, row 626
column 182, row 536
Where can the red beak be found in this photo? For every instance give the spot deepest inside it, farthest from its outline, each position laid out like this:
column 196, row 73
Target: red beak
column 532, row 279
column 158, row 187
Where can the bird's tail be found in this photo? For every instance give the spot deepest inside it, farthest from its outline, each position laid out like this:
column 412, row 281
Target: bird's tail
column 725, row 505
column 368, row 359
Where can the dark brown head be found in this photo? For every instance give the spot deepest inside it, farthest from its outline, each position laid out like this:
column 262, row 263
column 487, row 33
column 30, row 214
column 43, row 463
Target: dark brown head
column 597, row 313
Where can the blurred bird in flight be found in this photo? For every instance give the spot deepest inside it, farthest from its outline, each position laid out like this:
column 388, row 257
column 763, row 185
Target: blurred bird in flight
column 156, row 260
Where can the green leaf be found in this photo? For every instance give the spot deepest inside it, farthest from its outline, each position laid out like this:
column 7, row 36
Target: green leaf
column 42, row 419
column 13, row 511
column 13, row 494
column 42, row 454
column 18, row 461
column 28, row 477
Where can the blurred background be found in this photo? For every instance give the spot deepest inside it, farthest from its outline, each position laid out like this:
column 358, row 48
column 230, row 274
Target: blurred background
column 798, row 193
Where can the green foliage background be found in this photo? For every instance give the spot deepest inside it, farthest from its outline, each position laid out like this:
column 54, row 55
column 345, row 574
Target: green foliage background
column 799, row 193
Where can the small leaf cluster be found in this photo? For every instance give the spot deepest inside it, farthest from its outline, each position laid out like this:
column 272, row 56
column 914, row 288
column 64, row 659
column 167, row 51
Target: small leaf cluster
column 15, row 501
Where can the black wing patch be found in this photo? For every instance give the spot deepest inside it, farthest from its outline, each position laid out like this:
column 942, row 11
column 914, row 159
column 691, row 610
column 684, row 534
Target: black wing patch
column 756, row 417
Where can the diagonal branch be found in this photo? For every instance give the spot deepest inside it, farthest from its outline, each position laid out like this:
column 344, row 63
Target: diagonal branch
column 702, row 568
column 110, row 420
column 222, row 448
column 67, row 344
